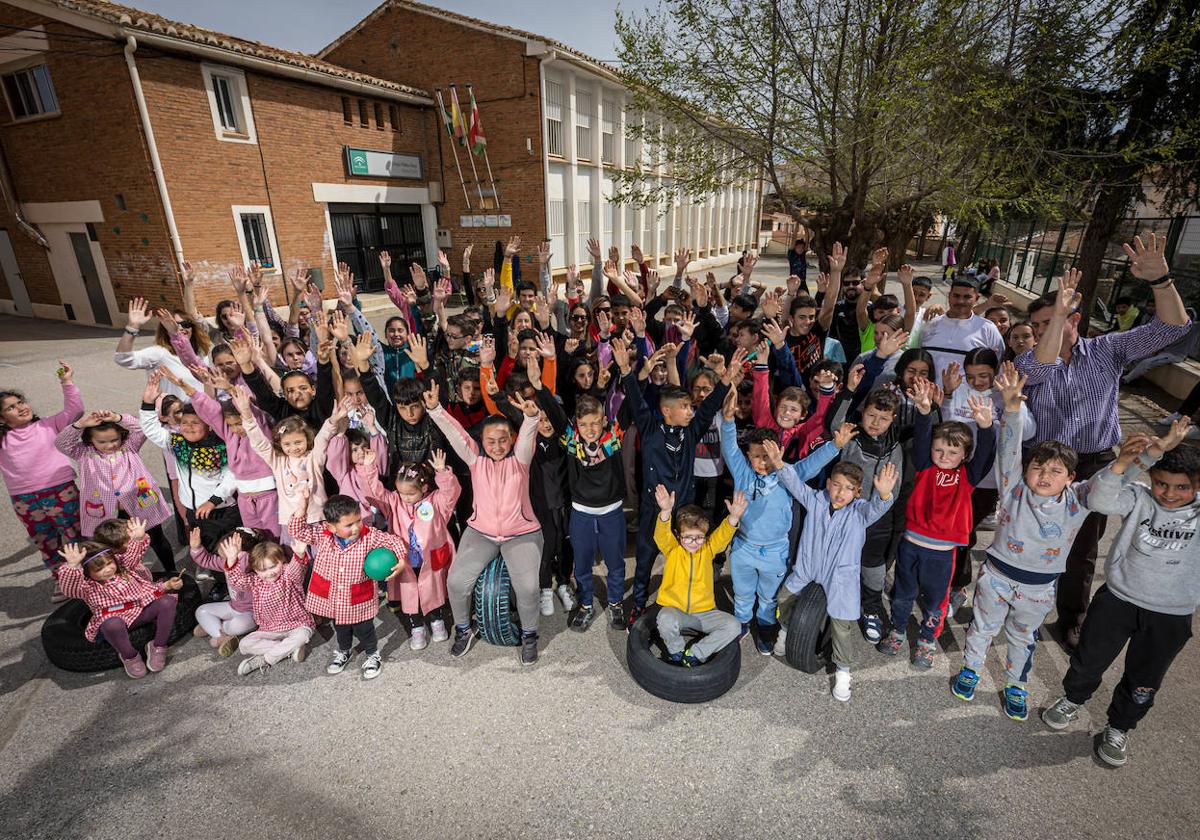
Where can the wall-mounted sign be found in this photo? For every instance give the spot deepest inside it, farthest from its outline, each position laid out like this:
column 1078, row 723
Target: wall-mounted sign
column 373, row 164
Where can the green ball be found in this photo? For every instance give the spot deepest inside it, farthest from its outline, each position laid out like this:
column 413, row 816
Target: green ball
column 379, row 563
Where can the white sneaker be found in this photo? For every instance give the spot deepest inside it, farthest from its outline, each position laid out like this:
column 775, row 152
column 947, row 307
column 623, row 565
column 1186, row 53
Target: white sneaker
column 841, row 686
column 566, row 596
column 371, row 666
column 781, row 643
column 1169, row 419
column 547, row 602
column 419, row 640
column 300, row 653
column 251, row 664
column 440, row 633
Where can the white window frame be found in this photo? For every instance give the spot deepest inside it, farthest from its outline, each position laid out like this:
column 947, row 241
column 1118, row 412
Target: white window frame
column 585, row 105
column 240, row 210
column 236, row 80
column 608, row 130
column 41, row 115
column 555, row 117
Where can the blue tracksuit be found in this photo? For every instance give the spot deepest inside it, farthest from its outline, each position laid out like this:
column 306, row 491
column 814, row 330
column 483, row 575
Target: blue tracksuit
column 759, row 558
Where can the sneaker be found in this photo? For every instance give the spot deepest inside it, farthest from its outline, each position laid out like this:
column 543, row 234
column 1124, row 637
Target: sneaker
column 964, row 684
column 529, row 652
column 687, row 660
column 1061, row 715
column 300, row 654
column 675, row 658
column 566, row 596
column 156, row 657
column 372, row 665
column 890, row 644
column 135, row 668
column 923, row 655
column 872, row 628
column 780, row 648
column 203, row 575
column 1169, row 419
column 463, row 640
column 1112, row 746
column 339, row 662
column 763, row 644
column 1016, row 702
column 228, row 645
column 841, row 686
column 251, row 664
column 56, row 594
column 581, row 619
column 199, row 632
column 958, row 600
column 745, row 631
column 635, row 612
column 616, row 617
column 419, row 639
column 547, row 602
column 438, row 631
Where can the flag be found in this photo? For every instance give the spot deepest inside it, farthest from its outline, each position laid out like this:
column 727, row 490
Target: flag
column 447, row 118
column 478, row 142
column 459, row 130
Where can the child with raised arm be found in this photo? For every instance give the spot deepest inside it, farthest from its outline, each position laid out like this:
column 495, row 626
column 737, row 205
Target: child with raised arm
column 938, row 516
column 503, row 519
column 830, row 549
column 225, row 621
column 685, row 598
column 1152, row 585
column 1041, row 510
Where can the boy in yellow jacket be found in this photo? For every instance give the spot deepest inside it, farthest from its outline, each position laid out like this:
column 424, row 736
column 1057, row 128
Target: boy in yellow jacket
column 686, row 598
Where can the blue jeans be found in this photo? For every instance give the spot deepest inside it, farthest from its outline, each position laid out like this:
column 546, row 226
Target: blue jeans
column 605, row 535
column 757, row 570
column 925, row 572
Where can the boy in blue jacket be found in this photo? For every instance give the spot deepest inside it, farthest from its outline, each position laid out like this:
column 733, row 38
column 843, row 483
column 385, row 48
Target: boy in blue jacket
column 668, row 439
column 759, row 557
column 831, row 550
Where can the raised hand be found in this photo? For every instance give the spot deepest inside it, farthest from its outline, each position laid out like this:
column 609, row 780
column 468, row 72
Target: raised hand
column 845, row 433
column 341, row 409
column 885, row 480
column 437, row 460
column 737, row 507
column 620, row 353
column 545, row 345
column 230, row 547
column 514, row 245
column 774, row 454
column 138, row 313
column 793, row 285
column 886, row 345
column 737, row 360
column 610, row 270
column 441, row 291
column 822, row 282
column 1174, row 435
column 65, row 372
column 533, row 369
column 921, row 393
column 188, row 274
column 771, row 304
column 419, row 280
column 339, row 327
column 73, row 553
column 1068, row 299
column 487, row 351
column 466, row 259
column 194, row 541
column 432, row 396
column 905, row 275
column 826, row 380
column 343, row 284
column 604, row 323
column 687, row 326
column 637, row 320
column 167, row 320
column 716, row 363
column 242, row 354
column 748, row 263
column 665, row 500
column 729, row 407
column 529, row 408
column 951, row 377
column 837, row 260
column 1010, row 384
column 981, row 410
column 1148, row 262
column 418, row 351
column 241, row 398
column 299, row 280
column 87, row 421
column 362, row 350
column 635, row 251
column 152, row 390
column 443, row 263
column 682, row 257
column 385, row 262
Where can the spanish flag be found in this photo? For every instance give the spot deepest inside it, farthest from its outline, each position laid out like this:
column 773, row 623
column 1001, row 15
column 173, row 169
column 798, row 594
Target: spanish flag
column 458, row 126
column 478, row 142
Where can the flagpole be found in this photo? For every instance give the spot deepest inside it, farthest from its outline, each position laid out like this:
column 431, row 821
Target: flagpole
column 470, row 157
column 454, row 151
column 486, row 160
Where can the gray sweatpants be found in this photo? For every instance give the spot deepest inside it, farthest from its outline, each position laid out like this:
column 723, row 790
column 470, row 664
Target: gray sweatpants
column 522, row 556
column 842, row 631
column 719, row 629
column 1020, row 607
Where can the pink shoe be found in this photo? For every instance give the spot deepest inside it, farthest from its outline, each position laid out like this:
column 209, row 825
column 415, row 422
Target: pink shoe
column 156, row 657
column 135, row 668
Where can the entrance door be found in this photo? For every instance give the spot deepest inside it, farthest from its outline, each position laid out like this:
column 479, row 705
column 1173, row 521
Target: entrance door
column 360, row 235
column 12, row 275
column 91, row 278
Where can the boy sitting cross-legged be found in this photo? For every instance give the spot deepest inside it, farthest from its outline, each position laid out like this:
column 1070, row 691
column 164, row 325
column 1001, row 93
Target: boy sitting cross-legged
column 830, row 549
column 686, row 597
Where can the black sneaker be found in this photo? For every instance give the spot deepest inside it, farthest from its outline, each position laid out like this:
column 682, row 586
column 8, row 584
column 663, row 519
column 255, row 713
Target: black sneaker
column 616, row 617
column 529, row 651
column 581, row 619
column 463, row 640
column 635, row 612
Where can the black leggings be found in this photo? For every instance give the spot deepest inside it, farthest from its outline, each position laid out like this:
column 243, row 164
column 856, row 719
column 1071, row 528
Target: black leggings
column 558, row 560
column 364, row 630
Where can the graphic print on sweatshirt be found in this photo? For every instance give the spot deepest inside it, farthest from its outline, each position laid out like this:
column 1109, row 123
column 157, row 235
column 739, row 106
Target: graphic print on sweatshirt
column 1168, row 534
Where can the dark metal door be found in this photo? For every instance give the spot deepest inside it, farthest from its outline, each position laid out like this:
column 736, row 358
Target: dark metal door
column 91, row 278
column 359, row 237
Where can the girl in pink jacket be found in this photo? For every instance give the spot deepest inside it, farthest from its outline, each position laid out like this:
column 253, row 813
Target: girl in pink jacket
column 418, row 512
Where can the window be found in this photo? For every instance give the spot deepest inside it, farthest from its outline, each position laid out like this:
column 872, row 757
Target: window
column 347, row 111
column 254, row 232
column 394, row 117
column 30, row 93
column 583, row 225
column 229, row 102
column 363, row 119
column 583, row 124
column 554, row 118
column 607, row 128
column 558, row 244
column 379, row 116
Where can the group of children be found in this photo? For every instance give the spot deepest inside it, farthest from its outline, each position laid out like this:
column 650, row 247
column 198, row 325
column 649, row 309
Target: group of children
column 719, row 422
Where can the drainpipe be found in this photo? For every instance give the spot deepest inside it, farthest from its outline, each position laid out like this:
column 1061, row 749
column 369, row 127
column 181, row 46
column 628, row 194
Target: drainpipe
column 155, row 162
column 14, row 204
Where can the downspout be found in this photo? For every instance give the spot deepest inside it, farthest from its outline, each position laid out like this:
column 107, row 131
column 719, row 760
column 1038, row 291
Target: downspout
column 155, row 162
column 14, row 205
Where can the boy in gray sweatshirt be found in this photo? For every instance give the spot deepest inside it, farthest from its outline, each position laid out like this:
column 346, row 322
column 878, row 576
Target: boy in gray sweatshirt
column 1152, row 587
column 1041, row 511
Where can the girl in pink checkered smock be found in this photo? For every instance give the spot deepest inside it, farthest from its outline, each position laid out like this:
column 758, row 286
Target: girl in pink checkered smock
column 113, row 480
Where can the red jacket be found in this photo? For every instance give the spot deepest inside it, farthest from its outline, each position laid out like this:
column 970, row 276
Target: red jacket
column 939, row 507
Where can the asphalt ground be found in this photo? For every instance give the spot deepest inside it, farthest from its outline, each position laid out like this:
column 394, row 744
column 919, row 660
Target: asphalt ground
column 570, row 747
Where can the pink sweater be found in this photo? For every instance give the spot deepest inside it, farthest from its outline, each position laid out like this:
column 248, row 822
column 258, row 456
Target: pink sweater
column 502, row 507
column 291, row 473
column 29, row 460
column 346, row 475
column 253, row 474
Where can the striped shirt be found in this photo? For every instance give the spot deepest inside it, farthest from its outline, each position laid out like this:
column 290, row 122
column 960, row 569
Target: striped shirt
column 1076, row 402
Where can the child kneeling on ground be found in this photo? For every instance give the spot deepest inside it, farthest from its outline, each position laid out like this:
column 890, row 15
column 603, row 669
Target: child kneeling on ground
column 830, row 550
column 1151, row 591
column 685, row 598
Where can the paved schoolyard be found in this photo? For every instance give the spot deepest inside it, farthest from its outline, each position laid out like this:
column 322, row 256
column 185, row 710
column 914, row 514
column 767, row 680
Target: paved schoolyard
column 568, row 748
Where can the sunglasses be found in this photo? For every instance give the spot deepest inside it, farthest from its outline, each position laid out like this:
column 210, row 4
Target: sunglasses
column 185, row 324
column 579, row 317
column 600, row 309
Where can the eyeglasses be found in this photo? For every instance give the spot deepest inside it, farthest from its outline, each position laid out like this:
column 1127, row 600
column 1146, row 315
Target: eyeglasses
column 453, row 337
column 579, row 317
column 185, row 324
column 600, row 309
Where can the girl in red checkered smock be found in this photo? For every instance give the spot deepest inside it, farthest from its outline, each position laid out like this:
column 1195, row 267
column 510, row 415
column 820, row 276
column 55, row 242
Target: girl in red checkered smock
column 418, row 512
column 119, row 592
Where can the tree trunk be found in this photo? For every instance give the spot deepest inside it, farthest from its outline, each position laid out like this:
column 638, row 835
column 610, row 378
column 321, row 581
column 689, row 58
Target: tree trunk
column 1111, row 204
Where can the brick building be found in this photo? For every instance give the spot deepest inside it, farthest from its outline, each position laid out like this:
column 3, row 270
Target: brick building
column 555, row 121
column 131, row 143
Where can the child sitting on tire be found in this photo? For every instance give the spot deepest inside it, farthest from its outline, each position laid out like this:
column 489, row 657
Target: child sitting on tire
column 830, row 550
column 121, row 597
column 685, row 597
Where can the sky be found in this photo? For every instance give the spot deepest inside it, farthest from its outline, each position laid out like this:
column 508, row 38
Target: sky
column 308, row 25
